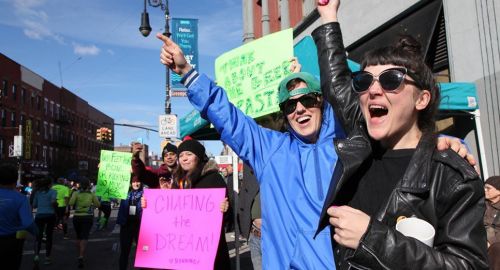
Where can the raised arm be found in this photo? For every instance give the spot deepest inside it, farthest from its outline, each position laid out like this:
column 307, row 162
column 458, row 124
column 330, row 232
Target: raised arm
column 334, row 70
column 251, row 142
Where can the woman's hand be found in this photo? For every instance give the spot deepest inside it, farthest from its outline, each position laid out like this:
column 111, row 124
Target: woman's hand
column 143, row 202
column 350, row 225
column 328, row 11
column 224, row 205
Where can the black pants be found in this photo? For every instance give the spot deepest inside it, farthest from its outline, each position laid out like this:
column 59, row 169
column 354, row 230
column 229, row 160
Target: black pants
column 128, row 233
column 61, row 218
column 11, row 252
column 45, row 224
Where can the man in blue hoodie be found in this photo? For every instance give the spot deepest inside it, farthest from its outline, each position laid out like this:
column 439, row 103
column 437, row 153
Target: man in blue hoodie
column 293, row 168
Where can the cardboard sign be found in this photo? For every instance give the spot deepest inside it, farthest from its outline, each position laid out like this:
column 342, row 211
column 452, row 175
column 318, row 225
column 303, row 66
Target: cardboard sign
column 113, row 179
column 180, row 228
column 251, row 73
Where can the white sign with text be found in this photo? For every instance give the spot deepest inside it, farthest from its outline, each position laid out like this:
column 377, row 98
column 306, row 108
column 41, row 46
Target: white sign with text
column 168, row 126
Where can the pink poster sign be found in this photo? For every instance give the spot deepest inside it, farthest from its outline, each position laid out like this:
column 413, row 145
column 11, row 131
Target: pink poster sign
column 180, row 228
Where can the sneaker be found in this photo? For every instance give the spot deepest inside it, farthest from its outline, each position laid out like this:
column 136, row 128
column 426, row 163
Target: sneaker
column 80, row 262
column 47, row 261
column 36, row 259
column 66, row 237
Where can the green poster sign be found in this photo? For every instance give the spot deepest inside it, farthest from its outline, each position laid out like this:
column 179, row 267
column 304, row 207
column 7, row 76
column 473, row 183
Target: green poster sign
column 113, row 179
column 251, row 73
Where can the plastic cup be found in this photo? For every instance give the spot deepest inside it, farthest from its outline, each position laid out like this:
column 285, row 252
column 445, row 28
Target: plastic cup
column 418, row 229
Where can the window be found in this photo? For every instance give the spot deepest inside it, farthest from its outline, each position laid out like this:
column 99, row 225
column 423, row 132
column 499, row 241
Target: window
column 45, row 130
column 46, row 106
column 32, row 99
column 4, row 118
column 37, row 126
column 5, row 86
column 23, row 95
column 52, row 109
column 44, row 153
column 21, row 120
column 13, row 119
column 58, row 111
column 14, row 92
column 1, row 148
column 38, row 102
column 51, row 132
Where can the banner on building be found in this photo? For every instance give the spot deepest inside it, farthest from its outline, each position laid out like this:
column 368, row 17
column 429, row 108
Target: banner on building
column 180, row 228
column 113, row 179
column 185, row 34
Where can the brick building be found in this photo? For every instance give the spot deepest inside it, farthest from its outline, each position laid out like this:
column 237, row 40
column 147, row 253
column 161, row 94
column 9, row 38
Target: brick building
column 58, row 127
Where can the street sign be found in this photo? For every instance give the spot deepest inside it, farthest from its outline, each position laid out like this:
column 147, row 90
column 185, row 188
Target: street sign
column 18, row 146
column 168, row 126
column 224, row 159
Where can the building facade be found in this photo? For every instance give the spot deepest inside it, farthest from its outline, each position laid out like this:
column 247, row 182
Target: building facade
column 460, row 39
column 57, row 126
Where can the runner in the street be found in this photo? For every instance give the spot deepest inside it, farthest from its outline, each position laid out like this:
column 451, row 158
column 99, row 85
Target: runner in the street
column 62, row 205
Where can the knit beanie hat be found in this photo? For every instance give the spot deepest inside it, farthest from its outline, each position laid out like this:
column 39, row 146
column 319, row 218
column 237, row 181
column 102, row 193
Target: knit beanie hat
column 168, row 148
column 493, row 181
column 194, row 147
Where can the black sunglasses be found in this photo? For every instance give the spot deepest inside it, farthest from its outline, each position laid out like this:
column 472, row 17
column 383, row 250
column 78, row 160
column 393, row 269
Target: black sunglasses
column 390, row 79
column 309, row 100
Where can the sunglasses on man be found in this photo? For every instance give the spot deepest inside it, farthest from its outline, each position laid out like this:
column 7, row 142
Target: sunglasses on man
column 308, row 101
column 390, row 79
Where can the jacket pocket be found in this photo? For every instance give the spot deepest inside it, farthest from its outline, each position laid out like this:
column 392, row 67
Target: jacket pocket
column 312, row 253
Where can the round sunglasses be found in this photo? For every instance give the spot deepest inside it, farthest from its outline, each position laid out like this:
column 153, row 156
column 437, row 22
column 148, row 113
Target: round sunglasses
column 309, row 100
column 390, row 79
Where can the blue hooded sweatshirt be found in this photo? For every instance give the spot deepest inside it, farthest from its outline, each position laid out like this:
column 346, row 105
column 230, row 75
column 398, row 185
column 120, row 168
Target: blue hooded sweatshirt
column 294, row 176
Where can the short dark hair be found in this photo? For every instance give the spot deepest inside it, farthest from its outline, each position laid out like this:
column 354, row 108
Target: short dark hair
column 8, row 174
column 406, row 52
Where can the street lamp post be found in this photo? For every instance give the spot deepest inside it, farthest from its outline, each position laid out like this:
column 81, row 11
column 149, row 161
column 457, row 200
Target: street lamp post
column 145, row 29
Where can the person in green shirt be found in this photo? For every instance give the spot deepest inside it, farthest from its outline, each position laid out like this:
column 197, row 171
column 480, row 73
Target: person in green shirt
column 62, row 205
column 84, row 203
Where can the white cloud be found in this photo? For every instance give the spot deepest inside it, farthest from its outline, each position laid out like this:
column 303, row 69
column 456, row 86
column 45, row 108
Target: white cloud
column 79, row 49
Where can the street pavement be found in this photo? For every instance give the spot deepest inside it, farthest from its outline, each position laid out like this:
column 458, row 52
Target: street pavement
column 103, row 250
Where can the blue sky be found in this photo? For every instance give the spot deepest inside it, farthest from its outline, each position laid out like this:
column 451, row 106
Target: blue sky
column 105, row 60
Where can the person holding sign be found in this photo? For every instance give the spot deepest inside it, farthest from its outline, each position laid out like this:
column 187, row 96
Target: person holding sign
column 390, row 166
column 129, row 219
column 160, row 176
column 84, row 203
column 197, row 171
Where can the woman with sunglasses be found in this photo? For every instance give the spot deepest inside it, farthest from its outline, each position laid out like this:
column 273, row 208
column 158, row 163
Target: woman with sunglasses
column 389, row 168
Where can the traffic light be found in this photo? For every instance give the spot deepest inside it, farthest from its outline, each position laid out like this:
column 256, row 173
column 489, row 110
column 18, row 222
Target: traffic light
column 110, row 134
column 99, row 134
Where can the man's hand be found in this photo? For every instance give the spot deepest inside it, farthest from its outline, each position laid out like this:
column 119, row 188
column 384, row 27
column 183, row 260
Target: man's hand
column 456, row 145
column 350, row 225
column 295, row 66
column 329, row 11
column 136, row 149
column 224, row 205
column 172, row 56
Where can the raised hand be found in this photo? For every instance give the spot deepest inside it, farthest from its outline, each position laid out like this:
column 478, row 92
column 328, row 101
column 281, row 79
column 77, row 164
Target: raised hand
column 295, row 66
column 328, row 10
column 172, row 56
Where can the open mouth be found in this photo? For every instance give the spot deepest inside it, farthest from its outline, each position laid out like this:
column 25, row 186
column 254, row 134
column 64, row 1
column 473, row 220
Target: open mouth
column 303, row 119
column 377, row 111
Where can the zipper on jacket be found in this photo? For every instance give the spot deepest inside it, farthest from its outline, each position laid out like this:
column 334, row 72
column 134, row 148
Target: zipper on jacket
column 374, row 256
column 318, row 173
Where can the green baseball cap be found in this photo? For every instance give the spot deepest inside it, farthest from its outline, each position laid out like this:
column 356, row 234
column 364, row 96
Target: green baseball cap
column 313, row 86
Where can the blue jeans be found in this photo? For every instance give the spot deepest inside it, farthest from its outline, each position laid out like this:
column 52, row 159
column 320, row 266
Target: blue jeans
column 255, row 251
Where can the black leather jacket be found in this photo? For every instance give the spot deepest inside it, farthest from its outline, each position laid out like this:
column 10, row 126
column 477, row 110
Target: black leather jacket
column 439, row 187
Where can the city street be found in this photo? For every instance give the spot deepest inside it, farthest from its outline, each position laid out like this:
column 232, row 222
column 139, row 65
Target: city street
column 103, row 250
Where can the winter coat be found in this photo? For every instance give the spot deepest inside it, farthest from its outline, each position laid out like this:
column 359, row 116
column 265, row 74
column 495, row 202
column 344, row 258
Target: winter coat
column 151, row 178
column 133, row 198
column 439, row 187
column 293, row 174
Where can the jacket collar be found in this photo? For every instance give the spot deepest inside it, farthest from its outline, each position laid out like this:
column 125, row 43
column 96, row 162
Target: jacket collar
column 416, row 178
